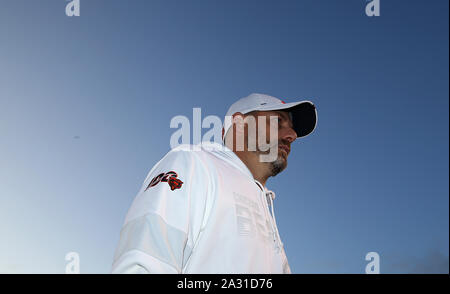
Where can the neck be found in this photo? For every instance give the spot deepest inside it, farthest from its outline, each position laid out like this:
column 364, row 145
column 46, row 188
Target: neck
column 258, row 169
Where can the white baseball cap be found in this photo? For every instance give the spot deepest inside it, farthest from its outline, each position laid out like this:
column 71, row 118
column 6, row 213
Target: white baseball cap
column 304, row 114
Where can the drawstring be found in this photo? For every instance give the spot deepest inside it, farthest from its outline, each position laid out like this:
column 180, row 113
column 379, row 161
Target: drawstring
column 272, row 198
column 276, row 235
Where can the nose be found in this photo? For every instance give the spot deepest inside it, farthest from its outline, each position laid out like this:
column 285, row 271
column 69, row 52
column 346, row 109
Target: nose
column 290, row 135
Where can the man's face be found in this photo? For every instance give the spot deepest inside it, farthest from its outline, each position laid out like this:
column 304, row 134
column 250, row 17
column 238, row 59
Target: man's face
column 286, row 135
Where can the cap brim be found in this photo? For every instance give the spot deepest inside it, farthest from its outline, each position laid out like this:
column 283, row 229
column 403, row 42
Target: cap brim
column 304, row 116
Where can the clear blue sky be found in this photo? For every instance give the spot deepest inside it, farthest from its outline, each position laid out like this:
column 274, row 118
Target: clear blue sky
column 86, row 104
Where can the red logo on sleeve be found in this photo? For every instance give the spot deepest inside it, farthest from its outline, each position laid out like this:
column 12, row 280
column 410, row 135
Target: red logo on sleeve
column 169, row 177
column 175, row 183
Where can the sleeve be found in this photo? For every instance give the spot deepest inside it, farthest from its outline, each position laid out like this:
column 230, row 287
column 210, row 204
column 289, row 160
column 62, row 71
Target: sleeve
column 166, row 217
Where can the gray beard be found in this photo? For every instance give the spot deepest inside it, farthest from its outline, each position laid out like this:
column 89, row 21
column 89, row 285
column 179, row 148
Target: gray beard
column 277, row 166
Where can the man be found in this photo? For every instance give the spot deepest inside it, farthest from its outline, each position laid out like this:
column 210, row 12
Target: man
column 207, row 211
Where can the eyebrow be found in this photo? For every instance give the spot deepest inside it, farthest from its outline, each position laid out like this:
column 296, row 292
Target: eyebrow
column 285, row 115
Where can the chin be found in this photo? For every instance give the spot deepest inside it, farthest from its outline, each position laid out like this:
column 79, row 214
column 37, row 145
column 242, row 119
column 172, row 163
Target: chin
column 283, row 158
column 283, row 162
column 278, row 165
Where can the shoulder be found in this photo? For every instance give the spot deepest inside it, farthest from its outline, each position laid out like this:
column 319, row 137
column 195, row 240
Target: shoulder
column 182, row 155
column 188, row 159
column 201, row 147
column 200, row 151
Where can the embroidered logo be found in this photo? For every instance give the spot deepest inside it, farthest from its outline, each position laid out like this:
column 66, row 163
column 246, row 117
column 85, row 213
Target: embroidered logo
column 169, row 177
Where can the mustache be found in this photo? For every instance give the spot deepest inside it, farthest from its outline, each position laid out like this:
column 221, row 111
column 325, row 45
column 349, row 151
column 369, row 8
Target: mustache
column 286, row 145
column 279, row 143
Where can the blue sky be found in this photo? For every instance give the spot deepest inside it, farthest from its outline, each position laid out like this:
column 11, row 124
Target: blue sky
column 86, row 104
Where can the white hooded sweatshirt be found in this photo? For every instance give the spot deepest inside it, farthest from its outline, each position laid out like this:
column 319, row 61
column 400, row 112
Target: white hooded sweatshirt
column 201, row 211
